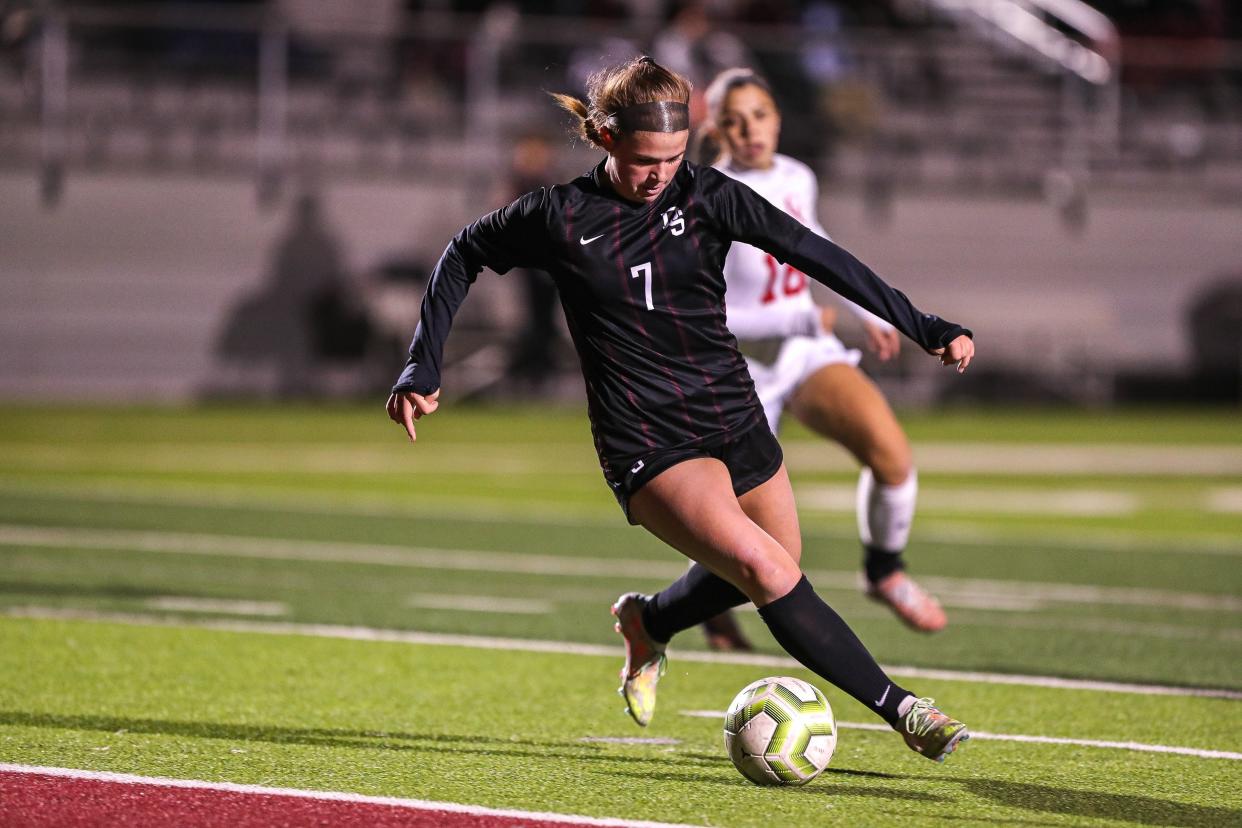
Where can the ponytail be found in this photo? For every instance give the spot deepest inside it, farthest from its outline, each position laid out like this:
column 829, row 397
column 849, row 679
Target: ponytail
column 585, row 128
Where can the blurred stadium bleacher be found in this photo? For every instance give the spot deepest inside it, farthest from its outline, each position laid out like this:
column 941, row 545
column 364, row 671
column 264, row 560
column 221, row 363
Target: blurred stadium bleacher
column 1068, row 187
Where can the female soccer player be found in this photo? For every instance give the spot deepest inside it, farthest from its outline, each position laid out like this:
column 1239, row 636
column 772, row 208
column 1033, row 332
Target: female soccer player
column 798, row 364
column 636, row 247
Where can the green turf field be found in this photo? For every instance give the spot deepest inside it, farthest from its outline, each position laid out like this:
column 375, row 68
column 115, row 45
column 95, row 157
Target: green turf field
column 1104, row 546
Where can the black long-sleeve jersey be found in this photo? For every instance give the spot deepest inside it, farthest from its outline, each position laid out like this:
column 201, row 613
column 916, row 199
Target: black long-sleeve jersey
column 643, row 292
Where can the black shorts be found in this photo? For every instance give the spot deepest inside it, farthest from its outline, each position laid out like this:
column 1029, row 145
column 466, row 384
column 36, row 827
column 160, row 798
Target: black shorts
column 751, row 457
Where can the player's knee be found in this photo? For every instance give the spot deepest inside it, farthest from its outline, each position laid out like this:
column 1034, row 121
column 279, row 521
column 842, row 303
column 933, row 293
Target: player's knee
column 766, row 577
column 891, row 464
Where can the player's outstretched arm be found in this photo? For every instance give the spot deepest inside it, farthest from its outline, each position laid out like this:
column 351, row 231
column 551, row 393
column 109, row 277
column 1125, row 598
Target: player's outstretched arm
column 748, row 217
column 959, row 352
column 406, row 407
column 503, row 239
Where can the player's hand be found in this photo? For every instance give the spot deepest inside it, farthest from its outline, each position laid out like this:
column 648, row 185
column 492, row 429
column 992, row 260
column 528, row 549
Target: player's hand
column 406, row 407
column 827, row 318
column 882, row 340
column 959, row 352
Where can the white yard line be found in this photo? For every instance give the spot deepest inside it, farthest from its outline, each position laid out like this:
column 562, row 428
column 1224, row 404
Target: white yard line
column 1054, row 621
column 1000, row 501
column 291, row 501
column 219, row 606
column 1002, row 593
column 1061, row 621
column 574, row 457
column 935, row 530
column 467, row 560
column 1015, row 737
column 332, row 796
column 991, row 602
column 962, row 533
column 1226, row 500
column 1053, row 459
column 479, row 603
column 1128, row 629
column 321, row 458
column 570, row 648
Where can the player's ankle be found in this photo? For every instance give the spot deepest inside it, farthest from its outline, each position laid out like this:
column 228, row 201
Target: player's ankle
column 878, row 563
column 651, row 624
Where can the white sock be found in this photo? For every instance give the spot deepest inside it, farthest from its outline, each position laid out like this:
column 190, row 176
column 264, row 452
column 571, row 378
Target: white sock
column 906, row 704
column 885, row 513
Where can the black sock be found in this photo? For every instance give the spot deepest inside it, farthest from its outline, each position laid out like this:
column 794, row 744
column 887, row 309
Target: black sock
column 690, row 600
column 815, row 635
column 880, row 563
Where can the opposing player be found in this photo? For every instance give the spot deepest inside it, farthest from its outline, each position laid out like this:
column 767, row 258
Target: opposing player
column 798, row 365
column 636, row 247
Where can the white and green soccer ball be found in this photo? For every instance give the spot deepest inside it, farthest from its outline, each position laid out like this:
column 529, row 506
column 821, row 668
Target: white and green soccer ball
column 780, row 731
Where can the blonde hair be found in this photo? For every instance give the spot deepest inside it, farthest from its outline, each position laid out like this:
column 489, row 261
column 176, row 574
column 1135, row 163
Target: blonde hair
column 640, row 81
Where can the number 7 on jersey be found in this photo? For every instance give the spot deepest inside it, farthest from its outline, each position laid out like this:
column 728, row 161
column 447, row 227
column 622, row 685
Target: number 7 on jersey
column 644, row 271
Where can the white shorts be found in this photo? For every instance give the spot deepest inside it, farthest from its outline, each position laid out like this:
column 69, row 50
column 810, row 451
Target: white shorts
column 799, row 358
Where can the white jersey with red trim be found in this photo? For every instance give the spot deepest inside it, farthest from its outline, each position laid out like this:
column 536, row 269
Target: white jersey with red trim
column 766, row 298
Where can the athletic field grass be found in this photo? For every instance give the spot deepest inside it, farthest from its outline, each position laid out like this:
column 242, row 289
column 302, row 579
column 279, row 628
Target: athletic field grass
column 294, row 597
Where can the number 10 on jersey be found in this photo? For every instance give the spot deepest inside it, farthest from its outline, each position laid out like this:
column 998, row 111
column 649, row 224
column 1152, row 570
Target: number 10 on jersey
column 643, row 271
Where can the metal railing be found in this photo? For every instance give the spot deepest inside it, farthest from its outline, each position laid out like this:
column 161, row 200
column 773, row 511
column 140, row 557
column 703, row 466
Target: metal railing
column 1084, row 47
column 279, row 108
column 1039, row 25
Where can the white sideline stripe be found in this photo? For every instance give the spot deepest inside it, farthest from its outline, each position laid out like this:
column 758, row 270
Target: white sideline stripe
column 963, row 533
column 1227, row 500
column 178, row 603
column 479, row 603
column 570, row 648
column 233, row 546
column 1075, row 502
column 106, row 490
column 982, row 589
column 1002, row 603
column 575, row 457
column 330, row 796
column 1059, row 459
column 1118, row 627
column 932, row 529
column 1001, row 593
column 1041, row 740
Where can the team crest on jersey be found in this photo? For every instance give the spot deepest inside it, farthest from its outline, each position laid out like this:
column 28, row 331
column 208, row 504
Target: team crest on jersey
column 674, row 221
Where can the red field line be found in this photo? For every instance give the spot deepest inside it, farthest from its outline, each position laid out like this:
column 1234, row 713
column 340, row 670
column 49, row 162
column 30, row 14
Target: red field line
column 76, row 799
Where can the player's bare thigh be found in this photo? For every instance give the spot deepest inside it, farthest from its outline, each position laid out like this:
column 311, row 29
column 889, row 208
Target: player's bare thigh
column 691, row 507
column 839, row 402
column 771, row 505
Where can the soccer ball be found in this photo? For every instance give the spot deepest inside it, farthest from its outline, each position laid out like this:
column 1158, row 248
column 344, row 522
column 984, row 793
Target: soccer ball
column 780, row 731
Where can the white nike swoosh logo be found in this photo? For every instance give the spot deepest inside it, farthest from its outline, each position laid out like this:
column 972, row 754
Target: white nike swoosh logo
column 585, row 240
column 880, row 703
